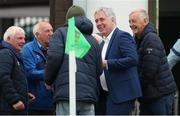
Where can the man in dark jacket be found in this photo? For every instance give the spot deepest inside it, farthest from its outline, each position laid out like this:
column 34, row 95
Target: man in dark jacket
column 13, row 84
column 88, row 68
column 156, row 78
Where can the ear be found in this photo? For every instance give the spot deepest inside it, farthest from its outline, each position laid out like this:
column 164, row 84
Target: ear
column 113, row 19
column 37, row 34
column 146, row 20
column 8, row 38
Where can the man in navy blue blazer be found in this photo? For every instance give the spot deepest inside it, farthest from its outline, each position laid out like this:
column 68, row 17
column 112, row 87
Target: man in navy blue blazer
column 120, row 79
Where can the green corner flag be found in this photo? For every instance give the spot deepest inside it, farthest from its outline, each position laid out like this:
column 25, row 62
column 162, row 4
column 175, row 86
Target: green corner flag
column 76, row 41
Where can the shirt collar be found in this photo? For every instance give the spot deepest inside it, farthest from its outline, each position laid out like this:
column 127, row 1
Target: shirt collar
column 9, row 46
column 40, row 46
column 108, row 38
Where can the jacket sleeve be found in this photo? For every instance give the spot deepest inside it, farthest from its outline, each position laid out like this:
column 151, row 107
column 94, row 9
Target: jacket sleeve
column 126, row 53
column 30, row 65
column 174, row 55
column 151, row 55
column 55, row 56
column 6, row 81
column 99, row 61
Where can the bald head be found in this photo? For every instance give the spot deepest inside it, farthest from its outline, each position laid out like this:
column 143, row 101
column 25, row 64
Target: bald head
column 43, row 31
column 40, row 26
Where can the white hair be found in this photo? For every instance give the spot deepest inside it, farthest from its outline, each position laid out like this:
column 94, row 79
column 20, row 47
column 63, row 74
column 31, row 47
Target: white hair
column 36, row 29
column 108, row 11
column 11, row 31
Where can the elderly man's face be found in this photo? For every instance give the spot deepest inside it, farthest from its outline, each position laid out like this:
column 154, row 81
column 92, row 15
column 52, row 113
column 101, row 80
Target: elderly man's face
column 137, row 23
column 17, row 40
column 45, row 33
column 104, row 23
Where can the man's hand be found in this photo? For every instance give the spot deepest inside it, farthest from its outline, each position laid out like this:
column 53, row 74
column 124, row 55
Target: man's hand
column 31, row 97
column 48, row 87
column 19, row 105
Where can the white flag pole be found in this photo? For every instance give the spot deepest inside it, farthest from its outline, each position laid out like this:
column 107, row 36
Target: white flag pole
column 72, row 83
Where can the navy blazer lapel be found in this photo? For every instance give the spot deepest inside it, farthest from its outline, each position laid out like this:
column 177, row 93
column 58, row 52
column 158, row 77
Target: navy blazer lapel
column 111, row 41
column 101, row 45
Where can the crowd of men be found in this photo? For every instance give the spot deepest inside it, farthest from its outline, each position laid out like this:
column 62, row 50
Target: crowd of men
column 117, row 70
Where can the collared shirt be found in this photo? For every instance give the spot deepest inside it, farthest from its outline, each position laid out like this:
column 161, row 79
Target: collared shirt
column 40, row 46
column 44, row 51
column 103, row 55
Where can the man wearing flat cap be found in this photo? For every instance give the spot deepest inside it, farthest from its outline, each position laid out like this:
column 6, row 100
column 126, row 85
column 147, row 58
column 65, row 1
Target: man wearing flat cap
column 89, row 68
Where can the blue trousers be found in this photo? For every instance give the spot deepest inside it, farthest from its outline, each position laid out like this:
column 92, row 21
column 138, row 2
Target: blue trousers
column 82, row 108
column 124, row 108
column 160, row 106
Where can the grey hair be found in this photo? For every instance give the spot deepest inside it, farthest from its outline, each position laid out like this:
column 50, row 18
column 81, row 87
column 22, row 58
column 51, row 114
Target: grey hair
column 108, row 11
column 142, row 14
column 11, row 31
column 36, row 29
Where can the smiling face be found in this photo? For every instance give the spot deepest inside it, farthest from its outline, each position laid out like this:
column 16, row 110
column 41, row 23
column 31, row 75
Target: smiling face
column 17, row 40
column 137, row 22
column 105, row 24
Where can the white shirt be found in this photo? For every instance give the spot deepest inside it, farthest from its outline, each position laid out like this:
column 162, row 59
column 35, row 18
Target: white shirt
column 103, row 55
